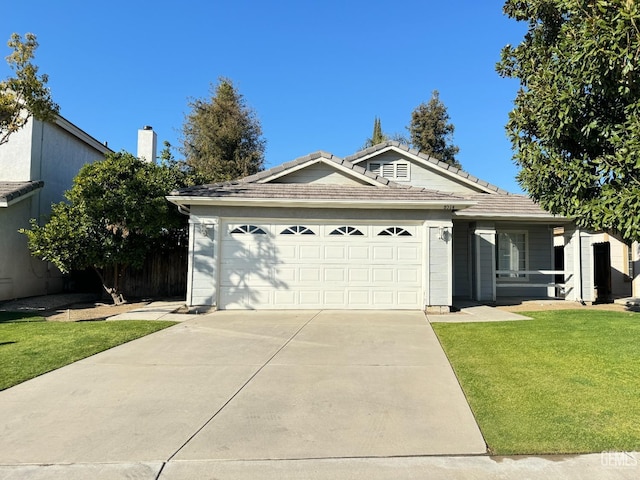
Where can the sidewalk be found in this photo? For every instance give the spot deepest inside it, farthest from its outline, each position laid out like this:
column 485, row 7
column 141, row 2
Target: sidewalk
column 473, row 312
column 155, row 311
column 606, row 466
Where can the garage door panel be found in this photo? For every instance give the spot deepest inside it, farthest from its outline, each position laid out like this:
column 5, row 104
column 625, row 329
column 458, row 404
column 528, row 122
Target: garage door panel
column 383, row 275
column 334, row 274
column 286, row 274
column 359, row 275
column 335, row 252
column 286, row 298
column 408, row 254
column 310, row 298
column 359, row 252
column 408, row 275
column 275, row 270
column 407, row 298
column 383, row 253
column 287, row 253
column 310, row 275
column 382, row 298
column 310, row 252
column 232, row 253
column 242, row 298
column 334, row 298
column 359, row 297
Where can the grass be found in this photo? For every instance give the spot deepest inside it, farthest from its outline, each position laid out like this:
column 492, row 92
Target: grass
column 30, row 346
column 566, row 382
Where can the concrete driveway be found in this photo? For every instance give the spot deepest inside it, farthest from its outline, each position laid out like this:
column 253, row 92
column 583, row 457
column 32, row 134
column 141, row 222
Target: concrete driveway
column 232, row 387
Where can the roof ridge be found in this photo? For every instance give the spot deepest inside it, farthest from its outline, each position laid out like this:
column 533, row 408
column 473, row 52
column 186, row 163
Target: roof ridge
column 287, row 165
column 426, row 157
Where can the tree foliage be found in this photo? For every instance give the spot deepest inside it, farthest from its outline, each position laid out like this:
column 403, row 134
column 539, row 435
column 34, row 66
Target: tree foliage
column 431, row 131
column 222, row 136
column 25, row 93
column 115, row 216
column 377, row 136
column 575, row 127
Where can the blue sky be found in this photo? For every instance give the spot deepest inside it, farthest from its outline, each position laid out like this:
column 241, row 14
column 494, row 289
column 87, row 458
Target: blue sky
column 315, row 72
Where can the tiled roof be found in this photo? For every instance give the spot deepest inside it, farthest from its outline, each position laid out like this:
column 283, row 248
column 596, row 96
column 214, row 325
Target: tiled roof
column 328, row 158
column 11, row 191
column 300, row 191
column 456, row 171
column 504, row 205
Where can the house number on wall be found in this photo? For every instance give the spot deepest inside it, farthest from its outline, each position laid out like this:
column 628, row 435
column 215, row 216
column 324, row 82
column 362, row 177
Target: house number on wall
column 449, row 207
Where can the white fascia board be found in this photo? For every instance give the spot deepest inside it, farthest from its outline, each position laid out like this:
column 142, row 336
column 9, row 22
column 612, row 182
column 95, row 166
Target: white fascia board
column 514, row 217
column 4, row 203
column 429, row 165
column 378, row 152
column 81, row 135
column 302, row 203
column 336, row 165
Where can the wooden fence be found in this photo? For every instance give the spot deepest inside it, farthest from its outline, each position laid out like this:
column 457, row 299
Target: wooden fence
column 163, row 275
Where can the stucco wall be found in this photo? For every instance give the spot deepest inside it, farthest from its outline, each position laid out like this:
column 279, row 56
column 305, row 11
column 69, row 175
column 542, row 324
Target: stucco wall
column 22, row 275
column 39, row 151
column 15, row 156
column 57, row 158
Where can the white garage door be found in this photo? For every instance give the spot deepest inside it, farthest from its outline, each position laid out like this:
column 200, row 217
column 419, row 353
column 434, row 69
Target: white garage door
column 306, row 265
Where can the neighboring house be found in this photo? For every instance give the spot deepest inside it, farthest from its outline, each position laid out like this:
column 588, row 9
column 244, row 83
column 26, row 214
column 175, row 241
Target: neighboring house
column 37, row 165
column 608, row 265
column 385, row 228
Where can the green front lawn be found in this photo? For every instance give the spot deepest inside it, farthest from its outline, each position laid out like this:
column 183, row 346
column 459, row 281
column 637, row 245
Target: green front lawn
column 566, row 382
column 29, row 346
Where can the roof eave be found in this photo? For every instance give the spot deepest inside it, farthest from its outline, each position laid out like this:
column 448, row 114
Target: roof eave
column 450, row 205
column 543, row 217
column 5, row 203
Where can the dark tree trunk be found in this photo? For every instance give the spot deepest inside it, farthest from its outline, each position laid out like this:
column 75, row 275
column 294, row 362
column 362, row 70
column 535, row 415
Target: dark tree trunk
column 116, row 296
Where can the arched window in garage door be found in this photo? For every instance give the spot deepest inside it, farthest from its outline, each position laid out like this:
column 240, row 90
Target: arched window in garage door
column 297, row 230
column 248, row 229
column 346, row 231
column 394, row 232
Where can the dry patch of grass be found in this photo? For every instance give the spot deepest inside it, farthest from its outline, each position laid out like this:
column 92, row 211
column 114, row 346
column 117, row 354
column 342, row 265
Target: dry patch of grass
column 90, row 311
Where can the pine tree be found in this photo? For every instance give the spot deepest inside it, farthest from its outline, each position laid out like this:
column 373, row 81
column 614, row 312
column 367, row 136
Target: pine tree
column 431, row 131
column 222, row 137
column 377, row 136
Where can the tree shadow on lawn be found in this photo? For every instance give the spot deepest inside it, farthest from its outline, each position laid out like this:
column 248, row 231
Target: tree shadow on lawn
column 15, row 317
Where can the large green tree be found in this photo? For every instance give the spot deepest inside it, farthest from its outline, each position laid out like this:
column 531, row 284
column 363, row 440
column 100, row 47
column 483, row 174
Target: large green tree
column 575, row 127
column 24, row 94
column 222, row 136
column 432, row 132
column 115, row 216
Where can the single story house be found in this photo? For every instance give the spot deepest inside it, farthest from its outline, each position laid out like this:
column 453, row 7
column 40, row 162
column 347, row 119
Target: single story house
column 387, row 227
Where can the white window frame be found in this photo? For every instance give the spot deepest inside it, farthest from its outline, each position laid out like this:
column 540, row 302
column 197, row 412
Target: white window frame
column 512, row 277
column 389, row 169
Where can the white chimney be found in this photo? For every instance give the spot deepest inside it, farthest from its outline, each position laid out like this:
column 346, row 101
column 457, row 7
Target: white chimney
column 147, row 140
